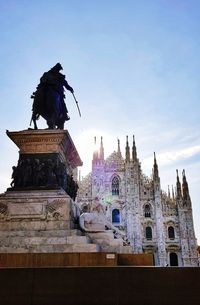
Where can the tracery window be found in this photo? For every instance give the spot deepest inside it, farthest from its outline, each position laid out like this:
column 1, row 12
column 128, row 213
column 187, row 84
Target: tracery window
column 148, row 233
column 147, row 210
column 115, row 216
column 171, row 233
column 115, row 186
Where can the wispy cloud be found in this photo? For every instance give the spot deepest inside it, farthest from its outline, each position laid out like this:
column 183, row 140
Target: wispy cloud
column 175, row 155
column 171, row 157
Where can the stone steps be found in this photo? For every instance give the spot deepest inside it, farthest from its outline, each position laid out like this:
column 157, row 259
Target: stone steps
column 46, row 241
column 23, row 241
column 116, row 249
column 31, row 225
column 66, row 248
column 10, row 249
column 56, row 248
column 40, row 221
column 41, row 233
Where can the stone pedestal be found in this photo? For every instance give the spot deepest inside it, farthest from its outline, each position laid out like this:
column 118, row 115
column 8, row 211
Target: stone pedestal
column 47, row 142
column 38, row 222
column 38, row 214
column 48, row 159
column 35, row 210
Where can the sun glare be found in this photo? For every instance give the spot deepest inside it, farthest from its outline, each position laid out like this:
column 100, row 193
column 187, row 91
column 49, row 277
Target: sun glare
column 88, row 141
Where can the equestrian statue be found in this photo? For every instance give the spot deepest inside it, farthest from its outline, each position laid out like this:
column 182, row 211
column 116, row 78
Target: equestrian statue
column 49, row 99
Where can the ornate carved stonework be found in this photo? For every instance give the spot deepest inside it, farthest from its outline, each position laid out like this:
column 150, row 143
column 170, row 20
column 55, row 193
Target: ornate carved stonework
column 32, row 206
column 47, row 141
column 54, row 209
column 47, row 160
column 3, row 210
column 147, row 212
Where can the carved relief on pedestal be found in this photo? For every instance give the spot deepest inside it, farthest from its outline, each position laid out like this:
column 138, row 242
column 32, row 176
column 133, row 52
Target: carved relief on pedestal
column 47, row 160
column 40, row 209
column 3, row 210
column 43, row 141
column 56, row 209
column 47, row 141
column 24, row 210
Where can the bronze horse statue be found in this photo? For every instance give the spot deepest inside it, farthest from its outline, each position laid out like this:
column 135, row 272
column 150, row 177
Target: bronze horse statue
column 48, row 99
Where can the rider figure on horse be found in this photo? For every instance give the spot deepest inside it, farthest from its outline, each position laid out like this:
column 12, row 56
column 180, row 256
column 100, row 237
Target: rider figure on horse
column 49, row 98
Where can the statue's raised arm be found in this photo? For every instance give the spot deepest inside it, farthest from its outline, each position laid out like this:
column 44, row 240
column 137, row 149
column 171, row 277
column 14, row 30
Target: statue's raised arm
column 67, row 86
column 49, row 99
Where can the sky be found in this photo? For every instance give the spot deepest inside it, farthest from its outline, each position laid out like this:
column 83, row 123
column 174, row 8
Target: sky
column 135, row 69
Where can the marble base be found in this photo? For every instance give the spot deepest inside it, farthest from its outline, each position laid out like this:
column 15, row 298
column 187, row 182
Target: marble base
column 108, row 243
column 40, row 221
column 29, row 208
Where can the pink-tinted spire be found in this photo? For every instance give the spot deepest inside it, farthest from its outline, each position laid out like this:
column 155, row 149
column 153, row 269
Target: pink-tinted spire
column 127, row 150
column 134, row 151
column 101, row 154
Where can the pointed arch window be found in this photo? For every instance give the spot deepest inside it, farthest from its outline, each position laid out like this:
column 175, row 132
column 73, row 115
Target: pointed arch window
column 147, row 210
column 115, row 186
column 173, row 258
column 115, row 216
column 171, row 233
column 148, row 233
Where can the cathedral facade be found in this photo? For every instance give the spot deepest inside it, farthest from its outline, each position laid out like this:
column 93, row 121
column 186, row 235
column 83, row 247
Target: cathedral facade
column 153, row 221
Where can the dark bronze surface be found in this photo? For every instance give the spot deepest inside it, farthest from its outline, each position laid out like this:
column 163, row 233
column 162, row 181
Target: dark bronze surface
column 48, row 99
column 41, row 172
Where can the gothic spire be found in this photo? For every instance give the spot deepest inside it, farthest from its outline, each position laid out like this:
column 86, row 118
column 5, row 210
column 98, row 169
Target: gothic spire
column 185, row 188
column 155, row 169
column 134, row 151
column 169, row 195
column 118, row 149
column 95, row 152
column 178, row 186
column 101, row 154
column 127, row 150
column 173, row 193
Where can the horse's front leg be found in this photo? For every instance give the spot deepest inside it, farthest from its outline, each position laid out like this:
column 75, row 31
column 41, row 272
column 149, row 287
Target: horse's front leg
column 35, row 124
column 34, row 118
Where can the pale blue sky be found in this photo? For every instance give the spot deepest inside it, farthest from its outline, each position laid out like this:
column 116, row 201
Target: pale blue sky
column 135, row 69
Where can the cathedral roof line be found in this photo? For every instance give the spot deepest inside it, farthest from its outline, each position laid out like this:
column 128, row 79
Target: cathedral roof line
column 115, row 162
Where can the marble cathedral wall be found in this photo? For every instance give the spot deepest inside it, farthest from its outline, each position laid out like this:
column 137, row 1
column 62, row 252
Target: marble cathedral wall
column 154, row 222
